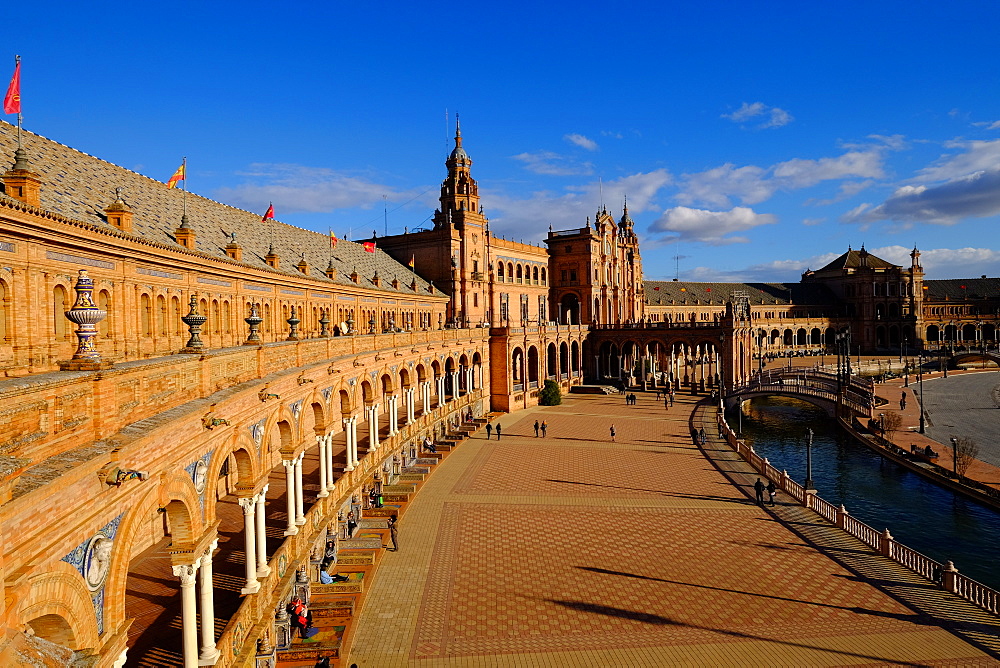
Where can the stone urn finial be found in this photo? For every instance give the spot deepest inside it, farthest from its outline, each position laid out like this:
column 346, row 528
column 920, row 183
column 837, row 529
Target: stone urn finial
column 194, row 321
column 85, row 314
column 253, row 321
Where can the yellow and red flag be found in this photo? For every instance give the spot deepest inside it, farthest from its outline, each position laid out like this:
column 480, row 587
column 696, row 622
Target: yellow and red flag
column 179, row 175
column 369, row 246
column 269, row 213
column 412, row 258
column 12, row 100
column 333, row 239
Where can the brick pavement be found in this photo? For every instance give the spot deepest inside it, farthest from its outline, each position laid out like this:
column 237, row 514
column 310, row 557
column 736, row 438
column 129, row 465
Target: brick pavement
column 573, row 551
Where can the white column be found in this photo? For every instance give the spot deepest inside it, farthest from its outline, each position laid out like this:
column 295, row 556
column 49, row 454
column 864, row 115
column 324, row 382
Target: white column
column 393, row 414
column 209, row 652
column 329, row 462
column 354, row 441
column 468, row 379
column 349, row 435
column 425, row 396
column 289, row 465
column 321, row 446
column 249, row 505
column 372, row 426
column 300, row 516
column 440, row 390
column 410, row 405
column 454, row 384
column 263, row 570
column 189, row 613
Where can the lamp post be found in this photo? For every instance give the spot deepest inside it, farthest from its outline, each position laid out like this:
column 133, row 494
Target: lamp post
column 920, row 384
column 906, row 365
column 881, row 423
column 739, row 411
column 954, row 455
column 722, row 373
column 809, row 487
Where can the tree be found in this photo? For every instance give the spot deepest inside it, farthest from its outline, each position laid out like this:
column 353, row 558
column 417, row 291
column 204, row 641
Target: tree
column 550, row 395
column 891, row 421
column 966, row 452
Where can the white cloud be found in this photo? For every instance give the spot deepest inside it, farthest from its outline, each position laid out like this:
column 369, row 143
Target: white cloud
column 297, row 188
column 995, row 125
column 581, row 141
column 682, row 223
column 976, row 195
column 529, row 217
column 554, row 164
column 612, row 134
column 813, row 221
column 771, row 117
column 976, row 156
column 752, row 184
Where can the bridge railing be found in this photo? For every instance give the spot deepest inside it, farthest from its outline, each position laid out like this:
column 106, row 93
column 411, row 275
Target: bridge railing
column 945, row 575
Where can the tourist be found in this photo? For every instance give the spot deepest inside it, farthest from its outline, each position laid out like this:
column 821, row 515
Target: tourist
column 612, row 433
column 498, row 431
column 671, row 398
column 545, row 425
column 351, row 524
column 772, row 490
column 489, row 430
column 536, row 428
column 429, row 445
column 759, row 489
column 393, row 530
column 902, row 401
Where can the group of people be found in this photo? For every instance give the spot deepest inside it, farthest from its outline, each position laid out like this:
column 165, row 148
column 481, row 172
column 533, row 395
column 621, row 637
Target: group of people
column 490, row 428
column 544, row 426
column 630, row 400
column 760, row 488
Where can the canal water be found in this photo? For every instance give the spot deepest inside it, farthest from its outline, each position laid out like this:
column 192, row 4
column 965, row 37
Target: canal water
column 919, row 514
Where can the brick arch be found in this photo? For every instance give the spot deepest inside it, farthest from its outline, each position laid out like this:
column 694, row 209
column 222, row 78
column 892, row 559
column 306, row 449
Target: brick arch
column 320, row 419
column 404, row 378
column 386, row 383
column 347, row 402
column 248, row 466
column 61, row 594
column 281, row 414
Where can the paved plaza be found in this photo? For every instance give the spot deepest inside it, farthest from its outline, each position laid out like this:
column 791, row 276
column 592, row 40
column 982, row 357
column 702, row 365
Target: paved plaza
column 965, row 405
column 575, row 551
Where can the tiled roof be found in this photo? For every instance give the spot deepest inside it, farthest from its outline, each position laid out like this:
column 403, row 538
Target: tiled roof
column 660, row 293
column 80, row 187
column 958, row 289
column 852, row 259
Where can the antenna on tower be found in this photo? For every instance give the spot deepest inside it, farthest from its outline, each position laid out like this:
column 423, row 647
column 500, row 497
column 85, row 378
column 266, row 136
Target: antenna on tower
column 385, row 214
column 447, row 129
column 600, row 182
column 677, row 265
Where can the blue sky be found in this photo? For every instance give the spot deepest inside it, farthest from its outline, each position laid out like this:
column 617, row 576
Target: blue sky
column 752, row 140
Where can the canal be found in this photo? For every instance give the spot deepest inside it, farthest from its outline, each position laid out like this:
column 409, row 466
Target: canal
column 919, row 514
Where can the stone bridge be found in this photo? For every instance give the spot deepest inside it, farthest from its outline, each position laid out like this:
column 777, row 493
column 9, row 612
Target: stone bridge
column 854, row 395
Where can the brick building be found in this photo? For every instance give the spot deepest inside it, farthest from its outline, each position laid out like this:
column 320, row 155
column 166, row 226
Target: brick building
column 195, row 399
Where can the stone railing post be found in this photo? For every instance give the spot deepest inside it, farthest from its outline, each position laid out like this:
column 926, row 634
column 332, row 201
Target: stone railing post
column 807, row 498
column 948, row 578
column 885, row 544
column 841, row 516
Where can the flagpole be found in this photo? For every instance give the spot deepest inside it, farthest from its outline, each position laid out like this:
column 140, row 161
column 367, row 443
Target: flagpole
column 184, row 164
column 17, row 64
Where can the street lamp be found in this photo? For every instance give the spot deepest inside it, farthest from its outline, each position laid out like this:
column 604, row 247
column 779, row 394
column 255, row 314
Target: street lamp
column 809, row 487
column 954, row 455
column 920, row 383
column 722, row 374
column 739, row 411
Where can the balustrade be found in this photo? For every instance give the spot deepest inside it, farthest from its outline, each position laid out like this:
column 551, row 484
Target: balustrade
column 975, row 592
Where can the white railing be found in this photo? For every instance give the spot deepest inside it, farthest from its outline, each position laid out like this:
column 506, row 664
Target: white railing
column 946, row 575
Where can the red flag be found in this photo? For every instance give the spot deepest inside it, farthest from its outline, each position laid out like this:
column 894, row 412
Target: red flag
column 657, row 287
column 12, row 100
column 412, row 259
column 269, row 213
column 333, row 239
column 369, row 246
column 963, row 287
column 708, row 289
column 179, row 175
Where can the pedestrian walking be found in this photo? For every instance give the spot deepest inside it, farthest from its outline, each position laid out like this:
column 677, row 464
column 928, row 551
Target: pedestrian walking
column 759, row 489
column 902, row 401
column 671, row 397
column 772, row 490
column 392, row 533
column 612, row 433
column 545, row 426
column 498, row 431
column 666, row 404
column 489, row 430
column 536, row 428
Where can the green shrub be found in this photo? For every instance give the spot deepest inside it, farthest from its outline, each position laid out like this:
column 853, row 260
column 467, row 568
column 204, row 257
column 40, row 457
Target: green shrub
column 550, row 395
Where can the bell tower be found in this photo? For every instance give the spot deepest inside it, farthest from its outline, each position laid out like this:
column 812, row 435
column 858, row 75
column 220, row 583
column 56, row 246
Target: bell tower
column 459, row 191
